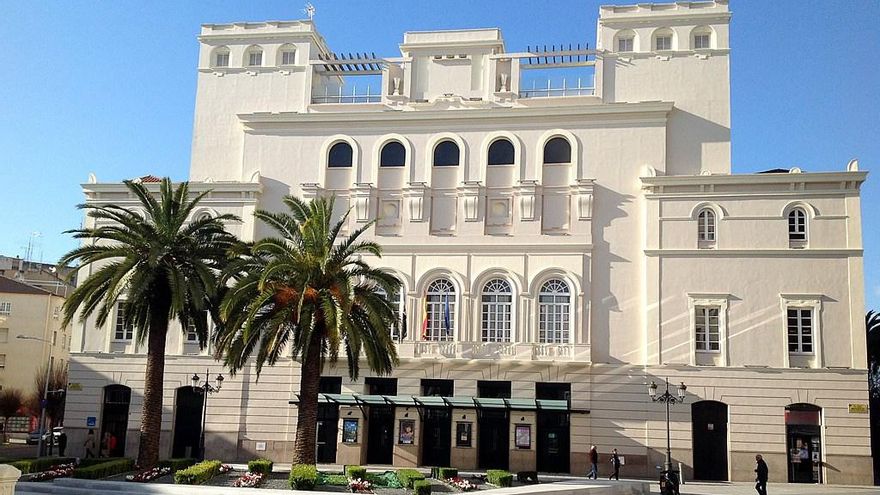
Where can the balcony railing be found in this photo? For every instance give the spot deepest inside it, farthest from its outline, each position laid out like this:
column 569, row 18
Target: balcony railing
column 559, row 91
column 502, row 351
column 366, row 96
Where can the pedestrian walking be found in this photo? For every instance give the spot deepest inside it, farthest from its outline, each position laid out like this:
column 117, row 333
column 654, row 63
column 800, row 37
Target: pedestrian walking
column 594, row 463
column 615, row 465
column 762, row 475
column 89, row 444
column 62, row 443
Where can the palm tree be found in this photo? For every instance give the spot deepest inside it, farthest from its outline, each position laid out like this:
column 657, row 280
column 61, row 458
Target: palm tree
column 164, row 265
column 311, row 289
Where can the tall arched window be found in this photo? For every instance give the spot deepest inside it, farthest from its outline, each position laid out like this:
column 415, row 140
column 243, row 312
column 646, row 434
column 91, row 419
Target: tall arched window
column 496, row 311
column 501, row 152
column 393, row 154
column 446, row 154
column 339, row 155
column 557, row 150
column 797, row 227
column 706, row 227
column 220, row 57
column 397, row 302
column 439, row 322
column 253, row 57
column 554, row 312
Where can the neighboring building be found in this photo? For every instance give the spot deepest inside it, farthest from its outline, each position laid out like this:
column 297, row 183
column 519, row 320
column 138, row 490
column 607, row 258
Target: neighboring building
column 34, row 313
column 53, row 278
column 585, row 239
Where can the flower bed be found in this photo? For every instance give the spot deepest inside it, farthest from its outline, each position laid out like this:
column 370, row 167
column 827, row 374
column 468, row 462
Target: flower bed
column 461, row 484
column 148, row 475
column 57, row 471
column 358, row 485
column 249, row 480
column 225, row 468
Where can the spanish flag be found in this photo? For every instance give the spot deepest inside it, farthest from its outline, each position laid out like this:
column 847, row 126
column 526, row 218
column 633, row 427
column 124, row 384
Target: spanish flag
column 425, row 317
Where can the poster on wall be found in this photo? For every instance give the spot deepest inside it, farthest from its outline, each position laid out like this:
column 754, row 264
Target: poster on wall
column 463, row 434
column 349, row 431
column 407, row 432
column 523, row 436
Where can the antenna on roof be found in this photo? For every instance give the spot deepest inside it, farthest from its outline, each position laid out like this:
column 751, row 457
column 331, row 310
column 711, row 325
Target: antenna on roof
column 309, row 10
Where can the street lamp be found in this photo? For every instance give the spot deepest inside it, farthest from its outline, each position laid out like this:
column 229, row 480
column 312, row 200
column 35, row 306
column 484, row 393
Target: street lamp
column 45, row 395
column 205, row 389
column 668, row 398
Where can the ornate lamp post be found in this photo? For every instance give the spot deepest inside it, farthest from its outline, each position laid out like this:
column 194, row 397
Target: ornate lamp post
column 668, row 398
column 205, row 389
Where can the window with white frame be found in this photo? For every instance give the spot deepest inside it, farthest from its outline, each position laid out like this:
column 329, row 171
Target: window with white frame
column 2, row 361
column 625, row 44
column 702, row 41
column 706, row 227
column 124, row 330
column 288, row 55
column 799, row 322
column 192, row 335
column 5, row 308
column 255, row 57
column 4, row 335
column 221, row 57
column 397, row 303
column 496, row 304
column 554, row 312
column 707, row 328
column 663, row 42
column 439, row 323
column 797, row 227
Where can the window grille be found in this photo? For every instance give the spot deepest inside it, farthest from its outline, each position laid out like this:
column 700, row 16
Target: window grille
column 439, row 321
column 554, row 309
column 707, row 330
column 800, row 330
column 497, row 309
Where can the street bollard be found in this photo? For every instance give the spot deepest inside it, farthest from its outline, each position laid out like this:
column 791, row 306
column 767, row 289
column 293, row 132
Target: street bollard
column 8, row 477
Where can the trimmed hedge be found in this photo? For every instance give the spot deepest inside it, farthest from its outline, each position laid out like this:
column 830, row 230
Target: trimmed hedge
column 332, row 479
column 177, row 464
column 422, row 487
column 408, row 477
column 499, row 477
column 104, row 469
column 356, row 472
column 28, row 466
column 197, row 473
column 303, row 477
column 444, row 473
column 262, row 466
column 387, row 479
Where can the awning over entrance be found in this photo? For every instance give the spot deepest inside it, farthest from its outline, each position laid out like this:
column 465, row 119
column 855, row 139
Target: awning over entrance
column 517, row 404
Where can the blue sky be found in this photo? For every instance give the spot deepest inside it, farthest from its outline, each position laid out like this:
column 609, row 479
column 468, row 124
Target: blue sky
column 108, row 87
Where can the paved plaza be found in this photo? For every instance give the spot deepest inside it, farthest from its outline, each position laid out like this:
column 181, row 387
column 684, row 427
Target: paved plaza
column 742, row 488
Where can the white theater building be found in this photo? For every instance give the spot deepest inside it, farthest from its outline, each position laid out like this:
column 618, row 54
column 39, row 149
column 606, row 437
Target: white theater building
column 587, row 236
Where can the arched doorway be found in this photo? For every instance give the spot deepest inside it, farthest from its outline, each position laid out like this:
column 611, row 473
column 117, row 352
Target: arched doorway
column 709, row 428
column 803, row 438
column 187, row 423
column 114, row 416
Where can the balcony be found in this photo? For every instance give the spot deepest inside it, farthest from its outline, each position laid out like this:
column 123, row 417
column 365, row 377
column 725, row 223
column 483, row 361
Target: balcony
column 562, row 90
column 494, row 351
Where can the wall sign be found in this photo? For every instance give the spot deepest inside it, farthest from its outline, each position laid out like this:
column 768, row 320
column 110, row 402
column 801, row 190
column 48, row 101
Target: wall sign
column 261, row 446
column 91, row 422
column 858, row 409
column 523, row 436
column 407, row 432
column 349, row 431
column 463, row 434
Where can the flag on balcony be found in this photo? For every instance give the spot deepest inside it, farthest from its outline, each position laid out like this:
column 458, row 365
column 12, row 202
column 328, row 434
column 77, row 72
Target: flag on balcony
column 425, row 318
column 447, row 328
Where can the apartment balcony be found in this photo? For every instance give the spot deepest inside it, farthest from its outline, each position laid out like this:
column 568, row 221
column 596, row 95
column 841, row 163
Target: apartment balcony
column 494, row 351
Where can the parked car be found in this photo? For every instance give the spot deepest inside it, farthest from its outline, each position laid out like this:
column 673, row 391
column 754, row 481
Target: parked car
column 33, row 437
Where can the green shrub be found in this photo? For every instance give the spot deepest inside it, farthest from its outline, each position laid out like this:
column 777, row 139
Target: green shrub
column 303, row 477
column 177, row 464
column 262, row 466
column 197, row 473
column 332, row 479
column 422, row 487
column 27, row 466
column 104, row 469
column 356, row 472
column 527, row 476
column 499, row 477
column 445, row 473
column 408, row 476
column 388, row 479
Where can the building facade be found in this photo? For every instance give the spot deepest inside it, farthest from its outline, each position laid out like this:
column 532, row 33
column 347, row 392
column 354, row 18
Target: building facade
column 561, row 245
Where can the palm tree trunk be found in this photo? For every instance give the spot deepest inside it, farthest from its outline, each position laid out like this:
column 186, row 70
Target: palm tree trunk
column 151, row 419
column 307, row 413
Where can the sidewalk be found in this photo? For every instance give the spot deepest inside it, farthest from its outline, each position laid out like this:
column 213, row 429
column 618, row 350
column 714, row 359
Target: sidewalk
column 743, row 488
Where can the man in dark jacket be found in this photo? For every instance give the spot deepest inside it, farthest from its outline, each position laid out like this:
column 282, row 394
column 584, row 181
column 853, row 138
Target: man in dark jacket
column 762, row 474
column 615, row 465
column 594, row 463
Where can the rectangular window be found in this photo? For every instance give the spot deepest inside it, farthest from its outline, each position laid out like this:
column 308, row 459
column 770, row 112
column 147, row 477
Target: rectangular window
column 123, row 331
column 625, row 45
column 664, row 43
column 5, row 308
column 800, row 330
column 2, row 361
column 222, row 60
column 55, row 338
column 191, row 334
column 288, row 58
column 4, row 335
column 701, row 41
column 255, row 59
column 707, row 328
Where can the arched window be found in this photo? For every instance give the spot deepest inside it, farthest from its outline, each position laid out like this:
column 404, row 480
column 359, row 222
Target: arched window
column 501, row 152
column 625, row 41
column 797, row 227
column 287, row 55
column 663, row 39
column 220, row 57
column 397, row 302
column 557, row 150
column 706, row 227
column 253, row 57
column 496, row 311
column 446, row 154
column 554, row 312
column 393, row 154
column 339, row 155
column 439, row 323
column 701, row 38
